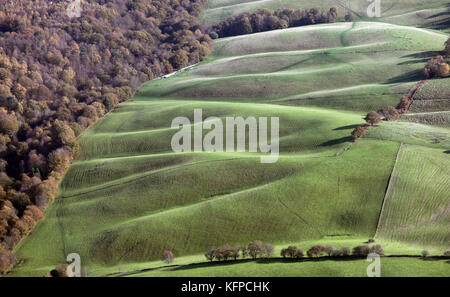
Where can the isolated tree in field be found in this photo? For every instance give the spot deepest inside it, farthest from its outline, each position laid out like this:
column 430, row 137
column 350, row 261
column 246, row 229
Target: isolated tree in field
column 168, row 257
column 425, row 253
column 373, row 118
column 447, row 253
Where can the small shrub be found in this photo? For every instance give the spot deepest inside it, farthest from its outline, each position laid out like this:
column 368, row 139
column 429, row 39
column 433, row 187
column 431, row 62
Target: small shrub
column 425, row 253
column 168, row 257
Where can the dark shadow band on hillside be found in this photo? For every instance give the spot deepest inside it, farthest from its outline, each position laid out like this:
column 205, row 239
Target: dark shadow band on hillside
column 411, row 76
column 349, row 127
column 440, row 24
column 337, row 141
column 422, row 57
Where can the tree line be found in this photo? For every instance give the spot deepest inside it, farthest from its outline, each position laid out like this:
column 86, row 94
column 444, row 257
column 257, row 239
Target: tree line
column 437, row 67
column 58, row 75
column 258, row 249
column 266, row 20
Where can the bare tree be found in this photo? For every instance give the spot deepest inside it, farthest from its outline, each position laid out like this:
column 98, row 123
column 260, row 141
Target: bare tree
column 267, row 250
column 255, row 248
column 209, row 255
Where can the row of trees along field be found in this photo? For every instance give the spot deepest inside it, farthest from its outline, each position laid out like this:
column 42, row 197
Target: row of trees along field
column 59, row 75
column 259, row 249
column 437, row 67
column 266, row 20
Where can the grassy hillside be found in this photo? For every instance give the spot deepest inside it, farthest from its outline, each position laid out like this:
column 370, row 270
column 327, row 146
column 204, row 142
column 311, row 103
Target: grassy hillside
column 129, row 197
column 339, row 66
column 432, row 13
column 416, row 208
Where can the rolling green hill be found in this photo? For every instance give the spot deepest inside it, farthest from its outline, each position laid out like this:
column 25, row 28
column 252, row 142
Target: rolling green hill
column 432, row 13
column 128, row 197
column 416, row 208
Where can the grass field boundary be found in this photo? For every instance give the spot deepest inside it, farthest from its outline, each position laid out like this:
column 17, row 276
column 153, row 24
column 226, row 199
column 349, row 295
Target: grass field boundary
column 259, row 260
column 388, row 189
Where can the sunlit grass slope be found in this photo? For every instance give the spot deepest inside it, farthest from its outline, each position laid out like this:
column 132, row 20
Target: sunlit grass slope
column 128, row 197
column 354, row 66
column 432, row 13
column 417, row 203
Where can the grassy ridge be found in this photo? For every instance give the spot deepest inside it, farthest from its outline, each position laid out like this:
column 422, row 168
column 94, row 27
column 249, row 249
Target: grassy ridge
column 403, row 12
column 350, row 63
column 128, row 197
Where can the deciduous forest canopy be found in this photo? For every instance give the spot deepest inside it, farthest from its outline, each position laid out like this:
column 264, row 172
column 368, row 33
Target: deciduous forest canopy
column 58, row 75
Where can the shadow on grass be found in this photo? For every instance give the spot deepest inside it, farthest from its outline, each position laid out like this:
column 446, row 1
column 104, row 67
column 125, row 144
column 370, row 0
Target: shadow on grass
column 270, row 261
column 411, row 76
column 347, row 127
column 440, row 24
column 422, row 57
column 337, row 141
column 264, row 261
